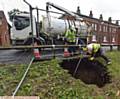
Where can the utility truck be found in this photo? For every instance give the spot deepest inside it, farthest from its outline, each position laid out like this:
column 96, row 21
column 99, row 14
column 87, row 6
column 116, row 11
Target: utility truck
column 49, row 30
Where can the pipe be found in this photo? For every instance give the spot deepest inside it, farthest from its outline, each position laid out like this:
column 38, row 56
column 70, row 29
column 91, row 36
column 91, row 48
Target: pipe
column 20, row 83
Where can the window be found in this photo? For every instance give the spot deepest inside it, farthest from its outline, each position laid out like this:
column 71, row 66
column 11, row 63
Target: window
column 21, row 22
column 100, row 28
column 104, row 39
column 94, row 38
column 113, row 39
column 0, row 20
column 95, row 27
column 104, row 29
column 114, row 30
column 110, row 29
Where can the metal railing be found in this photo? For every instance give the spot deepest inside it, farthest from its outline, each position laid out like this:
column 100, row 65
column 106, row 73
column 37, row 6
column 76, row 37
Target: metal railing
column 55, row 46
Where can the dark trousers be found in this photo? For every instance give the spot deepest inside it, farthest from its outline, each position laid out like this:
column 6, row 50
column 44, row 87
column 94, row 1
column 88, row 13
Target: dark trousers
column 71, row 48
column 100, row 53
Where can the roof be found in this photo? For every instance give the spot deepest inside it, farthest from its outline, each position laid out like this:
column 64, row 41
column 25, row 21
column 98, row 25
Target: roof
column 85, row 16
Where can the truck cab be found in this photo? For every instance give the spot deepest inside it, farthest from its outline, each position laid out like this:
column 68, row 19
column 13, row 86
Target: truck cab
column 21, row 28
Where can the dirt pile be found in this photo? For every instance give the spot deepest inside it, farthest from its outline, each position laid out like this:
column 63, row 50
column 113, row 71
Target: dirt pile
column 90, row 72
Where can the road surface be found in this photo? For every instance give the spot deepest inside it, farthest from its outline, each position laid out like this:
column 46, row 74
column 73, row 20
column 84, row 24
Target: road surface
column 24, row 57
column 14, row 56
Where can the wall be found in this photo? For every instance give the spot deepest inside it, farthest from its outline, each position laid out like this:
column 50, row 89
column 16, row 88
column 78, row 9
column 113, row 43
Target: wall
column 4, row 31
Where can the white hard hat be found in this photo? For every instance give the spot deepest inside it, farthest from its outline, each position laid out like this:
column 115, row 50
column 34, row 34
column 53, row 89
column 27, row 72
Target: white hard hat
column 89, row 47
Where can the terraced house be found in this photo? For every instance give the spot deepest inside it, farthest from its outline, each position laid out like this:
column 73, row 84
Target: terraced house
column 104, row 32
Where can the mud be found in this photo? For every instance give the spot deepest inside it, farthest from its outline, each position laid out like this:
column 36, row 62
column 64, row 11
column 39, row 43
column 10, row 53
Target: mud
column 90, row 72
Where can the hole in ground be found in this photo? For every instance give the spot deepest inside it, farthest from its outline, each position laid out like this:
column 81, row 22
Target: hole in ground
column 90, row 72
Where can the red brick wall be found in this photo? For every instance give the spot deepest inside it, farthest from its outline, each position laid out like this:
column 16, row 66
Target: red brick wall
column 108, row 31
column 118, row 36
column 4, row 32
column 106, row 35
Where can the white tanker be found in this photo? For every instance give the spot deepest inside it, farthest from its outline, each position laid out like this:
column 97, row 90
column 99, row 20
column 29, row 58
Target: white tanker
column 21, row 28
column 54, row 26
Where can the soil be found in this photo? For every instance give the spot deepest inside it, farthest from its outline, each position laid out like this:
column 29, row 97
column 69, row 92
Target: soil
column 90, row 72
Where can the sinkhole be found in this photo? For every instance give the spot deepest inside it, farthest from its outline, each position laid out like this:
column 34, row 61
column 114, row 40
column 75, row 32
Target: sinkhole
column 90, row 72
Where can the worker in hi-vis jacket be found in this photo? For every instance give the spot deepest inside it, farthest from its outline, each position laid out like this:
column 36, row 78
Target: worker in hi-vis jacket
column 70, row 39
column 94, row 50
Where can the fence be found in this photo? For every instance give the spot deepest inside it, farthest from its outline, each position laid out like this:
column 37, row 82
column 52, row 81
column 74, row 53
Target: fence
column 111, row 46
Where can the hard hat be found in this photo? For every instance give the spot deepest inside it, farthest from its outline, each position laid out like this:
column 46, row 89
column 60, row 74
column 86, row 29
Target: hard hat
column 90, row 47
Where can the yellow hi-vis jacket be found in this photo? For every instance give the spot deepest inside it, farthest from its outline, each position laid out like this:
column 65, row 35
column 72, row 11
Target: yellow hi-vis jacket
column 70, row 35
column 93, row 47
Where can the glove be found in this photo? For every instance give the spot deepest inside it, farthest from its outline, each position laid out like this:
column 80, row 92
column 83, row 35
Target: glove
column 84, row 48
column 91, row 58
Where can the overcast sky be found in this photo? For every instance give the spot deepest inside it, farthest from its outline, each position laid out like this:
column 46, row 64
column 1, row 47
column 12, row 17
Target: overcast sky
column 109, row 8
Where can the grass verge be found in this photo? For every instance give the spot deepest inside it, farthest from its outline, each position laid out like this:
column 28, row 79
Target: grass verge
column 49, row 81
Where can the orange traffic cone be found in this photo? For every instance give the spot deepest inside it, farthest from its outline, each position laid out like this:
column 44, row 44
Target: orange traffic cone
column 66, row 52
column 36, row 52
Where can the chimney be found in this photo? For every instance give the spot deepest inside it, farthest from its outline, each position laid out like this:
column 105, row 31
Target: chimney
column 110, row 19
column 91, row 14
column 117, row 22
column 78, row 10
column 101, row 17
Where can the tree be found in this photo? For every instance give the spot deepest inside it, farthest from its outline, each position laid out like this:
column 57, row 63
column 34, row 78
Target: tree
column 12, row 13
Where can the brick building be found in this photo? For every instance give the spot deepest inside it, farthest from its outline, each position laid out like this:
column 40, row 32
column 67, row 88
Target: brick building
column 118, row 35
column 104, row 32
column 4, row 30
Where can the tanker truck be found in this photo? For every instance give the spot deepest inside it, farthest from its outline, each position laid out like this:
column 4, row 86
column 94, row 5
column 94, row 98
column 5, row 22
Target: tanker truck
column 51, row 30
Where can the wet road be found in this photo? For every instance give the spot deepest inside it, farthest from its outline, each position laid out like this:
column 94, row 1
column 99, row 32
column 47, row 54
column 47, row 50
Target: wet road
column 15, row 56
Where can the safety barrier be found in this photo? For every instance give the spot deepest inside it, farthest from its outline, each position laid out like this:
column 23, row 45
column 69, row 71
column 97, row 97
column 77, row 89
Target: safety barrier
column 38, row 50
column 55, row 46
column 38, row 54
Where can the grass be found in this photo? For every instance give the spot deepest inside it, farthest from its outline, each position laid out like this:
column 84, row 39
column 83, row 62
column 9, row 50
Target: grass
column 49, row 81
